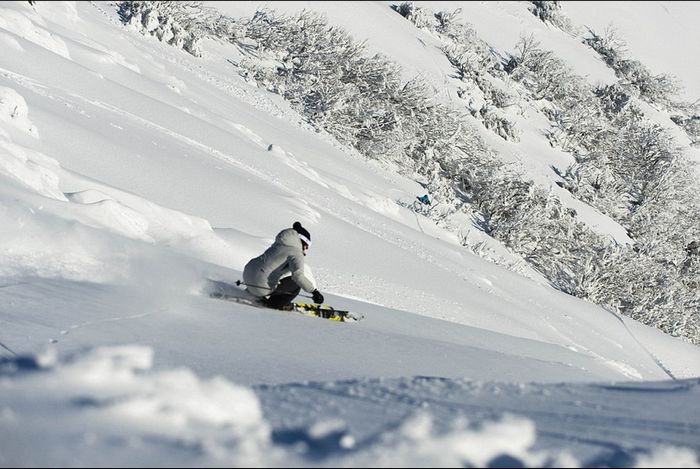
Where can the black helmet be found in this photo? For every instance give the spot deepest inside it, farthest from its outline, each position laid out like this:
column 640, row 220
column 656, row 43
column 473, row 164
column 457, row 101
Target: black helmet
column 304, row 235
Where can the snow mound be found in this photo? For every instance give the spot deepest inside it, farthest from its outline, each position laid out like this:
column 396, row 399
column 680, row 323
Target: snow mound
column 14, row 111
column 32, row 30
column 111, row 396
column 30, row 169
column 117, row 217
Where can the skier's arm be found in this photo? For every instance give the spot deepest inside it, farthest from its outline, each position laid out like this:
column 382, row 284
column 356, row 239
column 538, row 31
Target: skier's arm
column 296, row 266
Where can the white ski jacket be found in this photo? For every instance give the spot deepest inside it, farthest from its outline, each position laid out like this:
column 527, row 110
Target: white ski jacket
column 263, row 273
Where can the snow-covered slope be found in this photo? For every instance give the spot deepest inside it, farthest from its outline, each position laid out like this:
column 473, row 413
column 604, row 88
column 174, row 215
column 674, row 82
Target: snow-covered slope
column 130, row 172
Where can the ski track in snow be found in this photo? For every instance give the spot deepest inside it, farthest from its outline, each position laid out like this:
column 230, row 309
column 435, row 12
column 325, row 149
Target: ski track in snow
column 5, row 347
column 112, row 319
column 561, row 413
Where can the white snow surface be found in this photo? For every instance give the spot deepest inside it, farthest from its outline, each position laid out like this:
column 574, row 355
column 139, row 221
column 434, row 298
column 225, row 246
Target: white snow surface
column 131, row 172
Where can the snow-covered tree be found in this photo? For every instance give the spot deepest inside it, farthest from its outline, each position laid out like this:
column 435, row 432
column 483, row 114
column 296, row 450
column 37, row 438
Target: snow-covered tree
column 475, row 64
column 634, row 76
column 549, row 11
column 624, row 165
column 543, row 74
column 577, row 118
column 415, row 14
column 688, row 119
column 181, row 24
column 360, row 99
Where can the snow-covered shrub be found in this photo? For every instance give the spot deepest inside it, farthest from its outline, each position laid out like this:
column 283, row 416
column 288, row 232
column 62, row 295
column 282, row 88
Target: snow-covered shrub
column 596, row 184
column 474, row 63
column 636, row 174
column 415, row 14
column 645, row 155
column 631, row 170
column 472, row 57
column 690, row 276
column 534, row 224
column 468, row 62
column 610, row 47
column 499, row 124
column 549, row 11
column 613, row 98
column 655, row 89
column 617, row 171
column 606, row 135
column 691, row 125
column 224, row 28
column 577, row 119
column 644, row 284
column 543, row 74
column 181, row 24
column 655, row 279
column 574, row 112
column 448, row 22
column 360, row 99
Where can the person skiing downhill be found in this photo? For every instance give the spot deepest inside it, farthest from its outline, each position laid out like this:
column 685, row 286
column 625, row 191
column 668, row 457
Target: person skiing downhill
column 263, row 275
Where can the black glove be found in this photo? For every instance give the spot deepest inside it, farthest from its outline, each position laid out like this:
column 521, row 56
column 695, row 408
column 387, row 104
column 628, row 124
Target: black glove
column 316, row 295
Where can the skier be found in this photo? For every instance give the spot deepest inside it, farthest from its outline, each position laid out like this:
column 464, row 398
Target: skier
column 286, row 256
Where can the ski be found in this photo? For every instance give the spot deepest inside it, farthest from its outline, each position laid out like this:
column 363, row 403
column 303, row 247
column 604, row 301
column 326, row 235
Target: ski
column 230, row 293
column 327, row 312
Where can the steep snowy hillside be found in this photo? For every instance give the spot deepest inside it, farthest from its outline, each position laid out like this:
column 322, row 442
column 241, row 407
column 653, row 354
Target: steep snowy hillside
column 131, row 172
column 570, row 151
